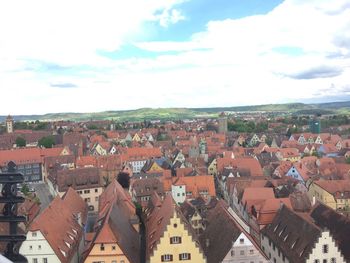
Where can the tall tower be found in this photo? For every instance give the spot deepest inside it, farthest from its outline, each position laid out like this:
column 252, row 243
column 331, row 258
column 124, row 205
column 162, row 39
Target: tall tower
column 9, row 124
column 222, row 123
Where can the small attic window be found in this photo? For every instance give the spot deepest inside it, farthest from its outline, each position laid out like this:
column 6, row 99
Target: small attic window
column 67, row 244
column 63, row 253
column 75, row 231
column 285, row 238
column 282, row 231
column 274, row 230
column 160, row 220
column 293, row 245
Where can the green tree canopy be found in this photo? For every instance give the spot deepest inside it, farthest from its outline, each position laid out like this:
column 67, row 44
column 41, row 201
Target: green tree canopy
column 20, row 142
column 47, row 142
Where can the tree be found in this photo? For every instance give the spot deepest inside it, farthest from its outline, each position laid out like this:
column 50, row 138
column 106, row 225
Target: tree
column 124, row 180
column 47, row 142
column 347, row 160
column 20, row 142
column 25, row 189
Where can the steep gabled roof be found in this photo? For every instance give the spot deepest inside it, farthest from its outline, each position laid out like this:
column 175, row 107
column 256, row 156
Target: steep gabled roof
column 59, row 225
column 292, row 234
column 337, row 224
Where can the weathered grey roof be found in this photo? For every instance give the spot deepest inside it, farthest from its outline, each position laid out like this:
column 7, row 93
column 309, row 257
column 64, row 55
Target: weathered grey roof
column 337, row 224
column 292, row 234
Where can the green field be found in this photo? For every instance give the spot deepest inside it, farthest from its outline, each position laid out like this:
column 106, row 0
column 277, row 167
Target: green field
column 190, row 113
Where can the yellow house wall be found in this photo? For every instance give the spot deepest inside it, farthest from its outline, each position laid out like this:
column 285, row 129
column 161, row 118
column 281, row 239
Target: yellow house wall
column 155, row 167
column 187, row 245
column 212, row 170
column 196, row 218
column 107, row 256
column 322, row 196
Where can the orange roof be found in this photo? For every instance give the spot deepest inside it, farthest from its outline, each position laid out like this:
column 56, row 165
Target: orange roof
column 257, row 193
column 198, row 183
column 139, row 152
column 61, row 213
column 28, row 155
column 248, row 163
column 83, row 161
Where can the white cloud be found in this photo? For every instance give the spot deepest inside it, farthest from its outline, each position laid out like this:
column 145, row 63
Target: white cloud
column 232, row 62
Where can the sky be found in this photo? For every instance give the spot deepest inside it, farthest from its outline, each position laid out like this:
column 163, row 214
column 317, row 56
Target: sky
column 97, row 55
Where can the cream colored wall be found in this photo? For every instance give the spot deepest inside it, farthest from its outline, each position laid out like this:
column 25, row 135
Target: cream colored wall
column 36, row 247
column 244, row 252
column 333, row 251
column 272, row 253
column 187, row 245
column 212, row 168
column 321, row 195
column 196, row 218
column 92, row 195
column 107, row 256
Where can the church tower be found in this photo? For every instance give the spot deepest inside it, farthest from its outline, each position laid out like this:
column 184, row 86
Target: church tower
column 9, row 124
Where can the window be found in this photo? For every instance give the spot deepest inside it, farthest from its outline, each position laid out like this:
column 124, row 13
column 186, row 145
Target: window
column 325, row 261
column 241, row 252
column 114, row 261
column 316, row 261
column 325, row 248
column 96, row 198
column 122, row 261
column 166, row 258
column 241, row 240
column 86, row 191
column 333, row 260
column 39, row 247
column 232, row 253
column 185, row 256
column 35, row 260
column 113, row 247
column 44, row 260
column 175, row 240
column 34, row 234
column 102, row 247
column 251, row 252
column 30, row 247
column 96, row 190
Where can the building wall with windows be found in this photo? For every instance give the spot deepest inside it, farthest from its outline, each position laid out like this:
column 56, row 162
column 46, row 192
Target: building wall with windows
column 272, row 251
column 177, row 245
column 325, row 251
column 32, row 171
column 37, row 250
column 107, row 253
column 243, row 251
column 90, row 196
column 179, row 193
column 137, row 165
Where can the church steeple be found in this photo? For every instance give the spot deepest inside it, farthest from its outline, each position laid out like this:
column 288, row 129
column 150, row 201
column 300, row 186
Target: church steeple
column 9, row 124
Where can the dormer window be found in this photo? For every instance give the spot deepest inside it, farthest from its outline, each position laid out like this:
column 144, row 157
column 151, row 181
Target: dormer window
column 63, row 253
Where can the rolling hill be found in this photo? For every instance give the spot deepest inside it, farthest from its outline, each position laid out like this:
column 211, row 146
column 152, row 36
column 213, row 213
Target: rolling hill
column 190, row 113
